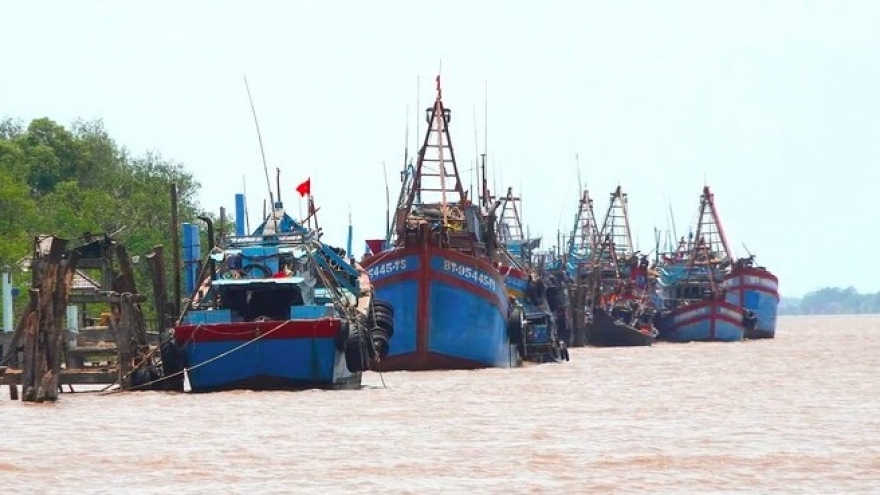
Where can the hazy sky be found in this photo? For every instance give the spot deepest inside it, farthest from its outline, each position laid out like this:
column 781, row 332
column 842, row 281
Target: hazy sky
column 775, row 105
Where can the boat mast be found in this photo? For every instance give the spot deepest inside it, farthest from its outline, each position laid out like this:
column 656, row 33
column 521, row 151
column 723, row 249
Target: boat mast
column 262, row 153
column 436, row 172
column 584, row 236
column 615, row 227
column 710, row 235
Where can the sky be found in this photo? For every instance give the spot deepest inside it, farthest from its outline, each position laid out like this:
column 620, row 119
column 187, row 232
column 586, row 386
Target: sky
column 773, row 104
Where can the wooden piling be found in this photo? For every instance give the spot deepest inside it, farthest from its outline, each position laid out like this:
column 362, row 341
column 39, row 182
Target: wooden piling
column 124, row 348
column 156, row 263
column 44, row 339
column 31, row 358
column 57, row 333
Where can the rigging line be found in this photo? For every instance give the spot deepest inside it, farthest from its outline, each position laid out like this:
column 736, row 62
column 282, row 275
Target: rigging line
column 262, row 152
column 208, row 361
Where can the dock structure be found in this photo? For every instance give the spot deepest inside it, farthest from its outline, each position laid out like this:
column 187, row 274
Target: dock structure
column 54, row 344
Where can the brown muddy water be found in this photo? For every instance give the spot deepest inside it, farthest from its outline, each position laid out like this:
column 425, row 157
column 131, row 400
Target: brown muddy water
column 798, row 414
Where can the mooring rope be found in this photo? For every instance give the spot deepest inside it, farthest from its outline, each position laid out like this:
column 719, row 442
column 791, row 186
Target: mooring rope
column 203, row 363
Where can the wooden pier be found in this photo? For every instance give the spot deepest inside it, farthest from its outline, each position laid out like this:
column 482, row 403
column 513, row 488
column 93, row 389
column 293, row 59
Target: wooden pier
column 42, row 356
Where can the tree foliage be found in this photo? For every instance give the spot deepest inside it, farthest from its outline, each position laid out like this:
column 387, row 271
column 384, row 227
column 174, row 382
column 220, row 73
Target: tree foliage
column 832, row 301
column 77, row 180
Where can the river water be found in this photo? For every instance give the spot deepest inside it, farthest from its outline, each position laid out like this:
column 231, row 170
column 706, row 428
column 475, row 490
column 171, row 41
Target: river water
column 797, row 414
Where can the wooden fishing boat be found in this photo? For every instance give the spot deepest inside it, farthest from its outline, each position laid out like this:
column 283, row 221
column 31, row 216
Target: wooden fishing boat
column 757, row 290
column 693, row 305
column 538, row 320
column 581, row 245
column 450, row 305
column 619, row 299
column 277, row 309
column 621, row 326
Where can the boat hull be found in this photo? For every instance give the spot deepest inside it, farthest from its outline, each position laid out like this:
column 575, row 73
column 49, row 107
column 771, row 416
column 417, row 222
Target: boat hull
column 708, row 321
column 606, row 331
column 450, row 310
column 268, row 355
column 756, row 290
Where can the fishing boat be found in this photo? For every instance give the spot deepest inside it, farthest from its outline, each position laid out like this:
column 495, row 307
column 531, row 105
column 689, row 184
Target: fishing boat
column 538, row 313
column 692, row 302
column 620, row 304
column 277, row 309
column 450, row 305
column 581, row 245
column 757, row 290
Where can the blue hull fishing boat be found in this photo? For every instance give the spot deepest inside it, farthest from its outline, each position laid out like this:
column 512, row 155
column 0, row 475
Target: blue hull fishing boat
column 537, row 313
column 450, row 310
column 450, row 306
column 757, row 290
column 704, row 321
column 277, row 309
column 693, row 304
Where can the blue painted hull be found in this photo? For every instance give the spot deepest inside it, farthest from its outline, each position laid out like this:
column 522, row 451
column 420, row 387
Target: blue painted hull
column 757, row 291
column 269, row 364
column 707, row 321
column 266, row 355
column 450, row 310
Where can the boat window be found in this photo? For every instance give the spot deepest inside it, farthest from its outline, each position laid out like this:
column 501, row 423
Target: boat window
column 251, row 302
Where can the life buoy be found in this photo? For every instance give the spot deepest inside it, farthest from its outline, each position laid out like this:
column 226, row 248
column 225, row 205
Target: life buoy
column 261, row 271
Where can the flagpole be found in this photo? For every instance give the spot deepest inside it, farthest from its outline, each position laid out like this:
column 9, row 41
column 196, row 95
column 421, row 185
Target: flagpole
column 312, row 211
column 350, row 233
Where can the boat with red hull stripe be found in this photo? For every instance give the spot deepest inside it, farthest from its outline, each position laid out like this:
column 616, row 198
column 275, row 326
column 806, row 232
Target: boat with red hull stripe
column 435, row 266
column 757, row 290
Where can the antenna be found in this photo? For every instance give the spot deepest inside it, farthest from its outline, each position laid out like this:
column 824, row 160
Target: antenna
column 485, row 192
column 657, row 236
column 486, row 116
column 350, row 235
column 259, row 137
column 418, row 109
column 387, row 205
column 278, row 183
column 262, row 151
column 405, row 142
column 476, row 140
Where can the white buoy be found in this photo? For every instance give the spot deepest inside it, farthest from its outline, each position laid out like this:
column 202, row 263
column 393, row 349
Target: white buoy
column 187, row 387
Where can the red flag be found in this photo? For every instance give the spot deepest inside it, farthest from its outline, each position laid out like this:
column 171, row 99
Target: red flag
column 305, row 187
column 375, row 245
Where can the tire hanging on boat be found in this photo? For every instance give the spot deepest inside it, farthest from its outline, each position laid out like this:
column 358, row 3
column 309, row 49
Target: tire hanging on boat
column 515, row 326
column 381, row 322
column 341, row 337
column 355, row 353
column 173, row 364
column 380, row 342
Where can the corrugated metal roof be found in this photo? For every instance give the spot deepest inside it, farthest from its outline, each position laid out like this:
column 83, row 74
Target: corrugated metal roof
column 81, row 281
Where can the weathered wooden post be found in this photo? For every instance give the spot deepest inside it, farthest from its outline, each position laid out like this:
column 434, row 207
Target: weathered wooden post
column 124, row 341
column 41, row 336
column 11, row 357
column 156, row 262
column 55, row 333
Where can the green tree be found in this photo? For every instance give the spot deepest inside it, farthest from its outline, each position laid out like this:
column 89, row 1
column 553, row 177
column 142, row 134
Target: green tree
column 70, row 182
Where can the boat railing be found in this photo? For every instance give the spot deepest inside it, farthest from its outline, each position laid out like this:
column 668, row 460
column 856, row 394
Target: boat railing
column 253, row 240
